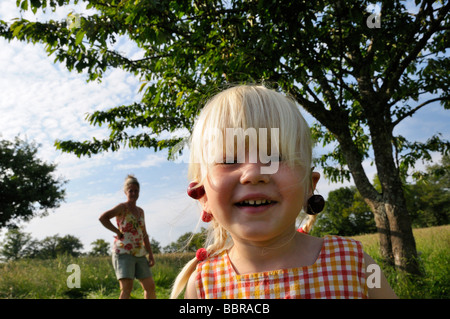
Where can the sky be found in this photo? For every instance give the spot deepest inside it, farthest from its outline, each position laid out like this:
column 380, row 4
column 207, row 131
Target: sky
column 42, row 101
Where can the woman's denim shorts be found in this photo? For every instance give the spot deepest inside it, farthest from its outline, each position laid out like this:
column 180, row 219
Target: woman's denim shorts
column 129, row 266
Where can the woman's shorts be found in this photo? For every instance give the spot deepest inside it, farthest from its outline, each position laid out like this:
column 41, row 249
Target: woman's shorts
column 129, row 266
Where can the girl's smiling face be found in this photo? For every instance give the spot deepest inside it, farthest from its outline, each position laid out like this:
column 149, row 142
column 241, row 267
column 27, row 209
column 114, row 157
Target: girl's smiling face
column 251, row 205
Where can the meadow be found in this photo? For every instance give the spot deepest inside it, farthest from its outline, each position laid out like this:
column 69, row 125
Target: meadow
column 47, row 279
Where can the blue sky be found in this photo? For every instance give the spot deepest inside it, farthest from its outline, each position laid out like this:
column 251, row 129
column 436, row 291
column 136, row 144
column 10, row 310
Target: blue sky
column 42, row 101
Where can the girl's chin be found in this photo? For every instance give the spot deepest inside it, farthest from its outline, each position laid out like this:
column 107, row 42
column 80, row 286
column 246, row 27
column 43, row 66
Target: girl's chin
column 254, row 232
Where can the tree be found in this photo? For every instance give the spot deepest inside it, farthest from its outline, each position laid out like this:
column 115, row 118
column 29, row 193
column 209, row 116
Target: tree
column 359, row 79
column 187, row 242
column 156, row 246
column 345, row 214
column 428, row 199
column 17, row 245
column 68, row 245
column 27, row 185
column 100, row 248
column 53, row 246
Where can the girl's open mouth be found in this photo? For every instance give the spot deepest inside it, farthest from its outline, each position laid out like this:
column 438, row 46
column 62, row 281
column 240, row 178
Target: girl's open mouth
column 255, row 203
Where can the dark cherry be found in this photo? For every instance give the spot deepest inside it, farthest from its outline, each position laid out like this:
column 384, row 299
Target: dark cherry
column 195, row 192
column 316, row 204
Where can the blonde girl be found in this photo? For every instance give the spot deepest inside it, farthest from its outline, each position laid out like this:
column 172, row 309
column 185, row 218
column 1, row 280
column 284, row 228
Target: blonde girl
column 253, row 249
column 131, row 243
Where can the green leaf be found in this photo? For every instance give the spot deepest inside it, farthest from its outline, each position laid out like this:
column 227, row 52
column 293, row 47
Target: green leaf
column 79, row 37
column 142, row 86
column 17, row 30
column 24, row 5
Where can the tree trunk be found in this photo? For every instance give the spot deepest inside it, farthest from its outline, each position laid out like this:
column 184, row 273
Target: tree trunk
column 400, row 230
column 402, row 238
column 383, row 229
column 370, row 195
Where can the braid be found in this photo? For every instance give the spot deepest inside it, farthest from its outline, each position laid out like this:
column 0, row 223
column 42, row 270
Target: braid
column 309, row 223
column 218, row 236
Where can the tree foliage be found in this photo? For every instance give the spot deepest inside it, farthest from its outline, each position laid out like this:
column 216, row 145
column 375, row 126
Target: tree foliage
column 100, row 247
column 345, row 214
column 18, row 244
column 187, row 242
column 429, row 198
column 358, row 80
column 28, row 186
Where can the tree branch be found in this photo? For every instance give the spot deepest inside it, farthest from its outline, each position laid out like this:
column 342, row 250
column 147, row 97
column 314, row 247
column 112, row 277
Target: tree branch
column 414, row 110
column 396, row 68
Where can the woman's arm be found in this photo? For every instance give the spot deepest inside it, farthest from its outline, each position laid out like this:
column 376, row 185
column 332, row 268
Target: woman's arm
column 106, row 216
column 148, row 246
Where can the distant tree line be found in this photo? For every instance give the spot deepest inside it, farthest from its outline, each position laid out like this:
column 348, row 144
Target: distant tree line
column 18, row 244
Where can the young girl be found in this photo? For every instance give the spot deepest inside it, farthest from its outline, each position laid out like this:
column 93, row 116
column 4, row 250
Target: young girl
column 131, row 243
column 253, row 249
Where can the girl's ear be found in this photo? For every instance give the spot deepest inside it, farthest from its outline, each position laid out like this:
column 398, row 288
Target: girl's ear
column 204, row 202
column 315, row 176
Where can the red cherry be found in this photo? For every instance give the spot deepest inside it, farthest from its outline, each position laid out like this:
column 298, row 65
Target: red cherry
column 195, row 192
column 201, row 254
column 206, row 217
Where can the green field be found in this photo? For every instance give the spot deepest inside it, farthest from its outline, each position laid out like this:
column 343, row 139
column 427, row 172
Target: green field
column 48, row 278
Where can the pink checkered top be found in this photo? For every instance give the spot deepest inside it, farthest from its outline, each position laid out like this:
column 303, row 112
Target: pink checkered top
column 337, row 273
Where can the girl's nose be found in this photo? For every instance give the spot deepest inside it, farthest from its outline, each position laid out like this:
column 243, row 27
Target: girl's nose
column 251, row 174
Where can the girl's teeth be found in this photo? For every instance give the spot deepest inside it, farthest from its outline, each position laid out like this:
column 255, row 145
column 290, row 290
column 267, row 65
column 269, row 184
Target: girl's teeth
column 256, row 202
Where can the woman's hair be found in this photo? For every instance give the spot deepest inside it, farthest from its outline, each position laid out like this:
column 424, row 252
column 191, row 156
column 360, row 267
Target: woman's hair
column 130, row 180
column 245, row 107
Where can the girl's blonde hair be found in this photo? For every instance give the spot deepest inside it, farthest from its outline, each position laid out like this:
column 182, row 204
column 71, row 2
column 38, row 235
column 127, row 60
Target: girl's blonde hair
column 130, row 180
column 245, row 106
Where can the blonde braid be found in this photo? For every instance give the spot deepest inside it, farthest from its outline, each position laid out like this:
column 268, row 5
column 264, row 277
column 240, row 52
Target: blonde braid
column 220, row 241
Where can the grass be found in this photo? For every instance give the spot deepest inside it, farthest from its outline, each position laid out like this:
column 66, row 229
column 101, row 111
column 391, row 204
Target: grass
column 433, row 248
column 47, row 279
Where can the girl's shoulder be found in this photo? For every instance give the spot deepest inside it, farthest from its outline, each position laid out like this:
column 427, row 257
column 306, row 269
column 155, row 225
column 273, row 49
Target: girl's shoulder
column 191, row 289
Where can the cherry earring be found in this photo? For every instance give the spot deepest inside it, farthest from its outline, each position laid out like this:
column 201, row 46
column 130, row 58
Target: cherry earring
column 316, row 204
column 195, row 192
column 206, row 217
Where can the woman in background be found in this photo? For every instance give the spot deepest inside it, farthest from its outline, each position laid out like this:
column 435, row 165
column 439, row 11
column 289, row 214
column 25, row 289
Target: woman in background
column 131, row 244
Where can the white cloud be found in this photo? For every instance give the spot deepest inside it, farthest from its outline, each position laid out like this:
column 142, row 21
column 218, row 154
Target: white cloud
column 150, row 160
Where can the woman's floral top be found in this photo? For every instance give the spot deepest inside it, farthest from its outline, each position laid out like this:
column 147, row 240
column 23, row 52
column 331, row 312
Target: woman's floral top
column 132, row 228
